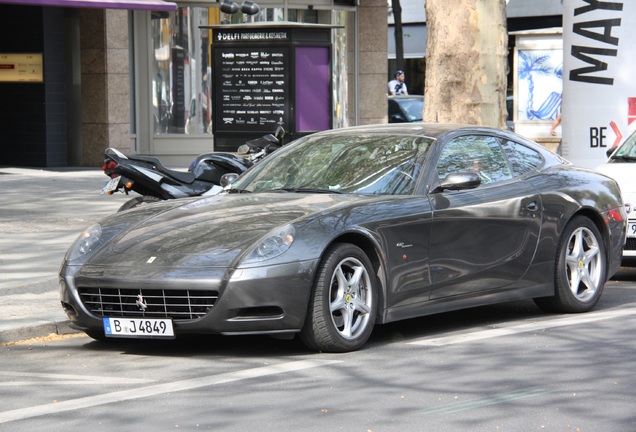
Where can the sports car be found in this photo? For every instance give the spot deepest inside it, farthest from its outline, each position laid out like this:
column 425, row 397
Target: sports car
column 343, row 230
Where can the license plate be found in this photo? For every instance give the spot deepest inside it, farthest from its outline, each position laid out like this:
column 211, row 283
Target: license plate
column 111, row 185
column 631, row 229
column 138, row 327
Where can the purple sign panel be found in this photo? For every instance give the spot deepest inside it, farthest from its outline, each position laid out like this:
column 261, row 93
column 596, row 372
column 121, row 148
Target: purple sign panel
column 312, row 89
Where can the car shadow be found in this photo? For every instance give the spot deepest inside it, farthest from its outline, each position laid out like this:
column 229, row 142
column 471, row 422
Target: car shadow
column 259, row 345
column 500, row 315
column 204, row 346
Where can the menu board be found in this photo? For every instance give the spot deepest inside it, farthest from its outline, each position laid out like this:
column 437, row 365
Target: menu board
column 21, row 67
column 251, row 88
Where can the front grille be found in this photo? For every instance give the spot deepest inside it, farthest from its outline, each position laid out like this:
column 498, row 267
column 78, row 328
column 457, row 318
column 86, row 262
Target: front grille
column 631, row 244
column 180, row 305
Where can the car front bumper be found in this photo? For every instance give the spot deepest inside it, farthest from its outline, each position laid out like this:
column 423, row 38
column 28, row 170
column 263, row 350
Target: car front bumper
column 271, row 299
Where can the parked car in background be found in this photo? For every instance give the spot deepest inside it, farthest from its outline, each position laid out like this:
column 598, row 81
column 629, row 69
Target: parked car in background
column 510, row 124
column 404, row 109
column 348, row 228
column 621, row 166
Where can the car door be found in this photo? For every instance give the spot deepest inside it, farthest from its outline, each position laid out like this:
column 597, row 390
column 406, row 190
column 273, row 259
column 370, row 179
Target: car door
column 482, row 239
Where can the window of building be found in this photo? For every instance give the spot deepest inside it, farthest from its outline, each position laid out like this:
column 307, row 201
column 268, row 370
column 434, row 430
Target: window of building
column 181, row 72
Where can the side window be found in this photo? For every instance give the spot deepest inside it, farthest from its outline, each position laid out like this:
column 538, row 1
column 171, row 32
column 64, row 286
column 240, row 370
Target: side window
column 522, row 159
column 478, row 153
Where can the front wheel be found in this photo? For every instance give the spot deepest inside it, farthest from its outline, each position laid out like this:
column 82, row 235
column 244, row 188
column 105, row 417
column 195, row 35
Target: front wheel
column 580, row 272
column 343, row 304
column 138, row 201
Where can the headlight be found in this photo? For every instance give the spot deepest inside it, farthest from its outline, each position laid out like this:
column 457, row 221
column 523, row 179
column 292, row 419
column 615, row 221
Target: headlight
column 85, row 243
column 272, row 245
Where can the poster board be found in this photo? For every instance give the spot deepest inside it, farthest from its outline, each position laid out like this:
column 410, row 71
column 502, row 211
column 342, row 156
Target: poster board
column 21, row 67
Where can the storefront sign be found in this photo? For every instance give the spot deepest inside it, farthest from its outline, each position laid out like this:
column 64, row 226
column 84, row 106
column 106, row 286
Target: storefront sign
column 261, row 36
column 21, row 68
column 265, row 76
column 599, row 94
column 252, row 89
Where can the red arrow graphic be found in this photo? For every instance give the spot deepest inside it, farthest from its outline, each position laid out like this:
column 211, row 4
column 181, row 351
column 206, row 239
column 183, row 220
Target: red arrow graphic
column 619, row 135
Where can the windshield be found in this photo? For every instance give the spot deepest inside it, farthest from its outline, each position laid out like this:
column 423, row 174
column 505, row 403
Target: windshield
column 627, row 150
column 413, row 108
column 342, row 163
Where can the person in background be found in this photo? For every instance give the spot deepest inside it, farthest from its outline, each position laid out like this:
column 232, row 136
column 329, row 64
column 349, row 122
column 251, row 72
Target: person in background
column 397, row 86
column 555, row 124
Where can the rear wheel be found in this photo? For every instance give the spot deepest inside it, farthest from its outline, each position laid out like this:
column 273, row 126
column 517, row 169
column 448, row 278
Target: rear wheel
column 344, row 302
column 580, row 269
column 138, row 201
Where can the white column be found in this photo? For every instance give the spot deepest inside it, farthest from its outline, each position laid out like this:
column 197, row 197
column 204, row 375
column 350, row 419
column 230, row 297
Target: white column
column 599, row 84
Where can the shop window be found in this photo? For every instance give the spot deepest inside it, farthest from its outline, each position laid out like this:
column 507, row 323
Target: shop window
column 180, row 72
column 181, row 69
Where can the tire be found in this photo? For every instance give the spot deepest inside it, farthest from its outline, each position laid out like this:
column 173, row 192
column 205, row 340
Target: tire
column 581, row 269
column 138, row 201
column 343, row 303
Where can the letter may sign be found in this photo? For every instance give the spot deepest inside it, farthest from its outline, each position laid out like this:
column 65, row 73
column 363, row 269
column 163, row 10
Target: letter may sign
column 598, row 89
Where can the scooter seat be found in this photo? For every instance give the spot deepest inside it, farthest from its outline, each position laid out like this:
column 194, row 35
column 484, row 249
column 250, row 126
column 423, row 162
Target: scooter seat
column 181, row 176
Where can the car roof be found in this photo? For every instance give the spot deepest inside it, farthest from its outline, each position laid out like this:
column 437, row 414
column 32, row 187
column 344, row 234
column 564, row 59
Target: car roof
column 431, row 130
column 406, row 96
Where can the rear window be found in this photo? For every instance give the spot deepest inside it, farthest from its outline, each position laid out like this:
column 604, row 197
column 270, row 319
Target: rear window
column 522, row 159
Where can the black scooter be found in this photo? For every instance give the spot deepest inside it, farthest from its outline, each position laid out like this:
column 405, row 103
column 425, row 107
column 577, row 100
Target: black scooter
column 154, row 182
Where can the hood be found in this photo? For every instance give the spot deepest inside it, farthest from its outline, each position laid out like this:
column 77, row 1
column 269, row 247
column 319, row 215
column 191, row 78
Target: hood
column 625, row 176
column 213, row 231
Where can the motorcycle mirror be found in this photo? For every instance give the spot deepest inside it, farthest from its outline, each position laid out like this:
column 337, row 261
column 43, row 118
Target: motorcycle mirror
column 228, row 179
column 280, row 133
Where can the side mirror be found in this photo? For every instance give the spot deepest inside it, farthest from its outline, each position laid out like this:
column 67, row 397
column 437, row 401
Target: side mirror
column 397, row 118
column 459, row 181
column 228, row 179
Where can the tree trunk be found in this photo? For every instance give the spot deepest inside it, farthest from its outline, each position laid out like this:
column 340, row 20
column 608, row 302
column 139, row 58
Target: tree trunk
column 399, row 34
column 466, row 62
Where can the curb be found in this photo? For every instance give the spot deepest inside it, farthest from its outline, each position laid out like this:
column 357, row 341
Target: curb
column 36, row 331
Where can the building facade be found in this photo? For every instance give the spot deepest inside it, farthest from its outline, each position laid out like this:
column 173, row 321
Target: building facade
column 139, row 80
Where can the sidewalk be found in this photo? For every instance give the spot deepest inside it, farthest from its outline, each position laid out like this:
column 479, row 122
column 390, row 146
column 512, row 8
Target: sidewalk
column 41, row 213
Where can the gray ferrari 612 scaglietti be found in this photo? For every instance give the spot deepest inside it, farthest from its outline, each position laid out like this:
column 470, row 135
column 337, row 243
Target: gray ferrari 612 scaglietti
column 345, row 229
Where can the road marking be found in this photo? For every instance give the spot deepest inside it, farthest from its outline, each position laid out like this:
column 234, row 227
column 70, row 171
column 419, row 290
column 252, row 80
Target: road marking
column 159, row 389
column 66, row 379
column 493, row 400
column 524, row 328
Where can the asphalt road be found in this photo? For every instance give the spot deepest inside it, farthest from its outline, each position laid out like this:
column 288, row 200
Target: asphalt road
column 508, row 367
column 41, row 214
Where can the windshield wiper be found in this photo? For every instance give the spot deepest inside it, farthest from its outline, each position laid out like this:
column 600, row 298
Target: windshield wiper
column 623, row 157
column 305, row 190
column 238, row 191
